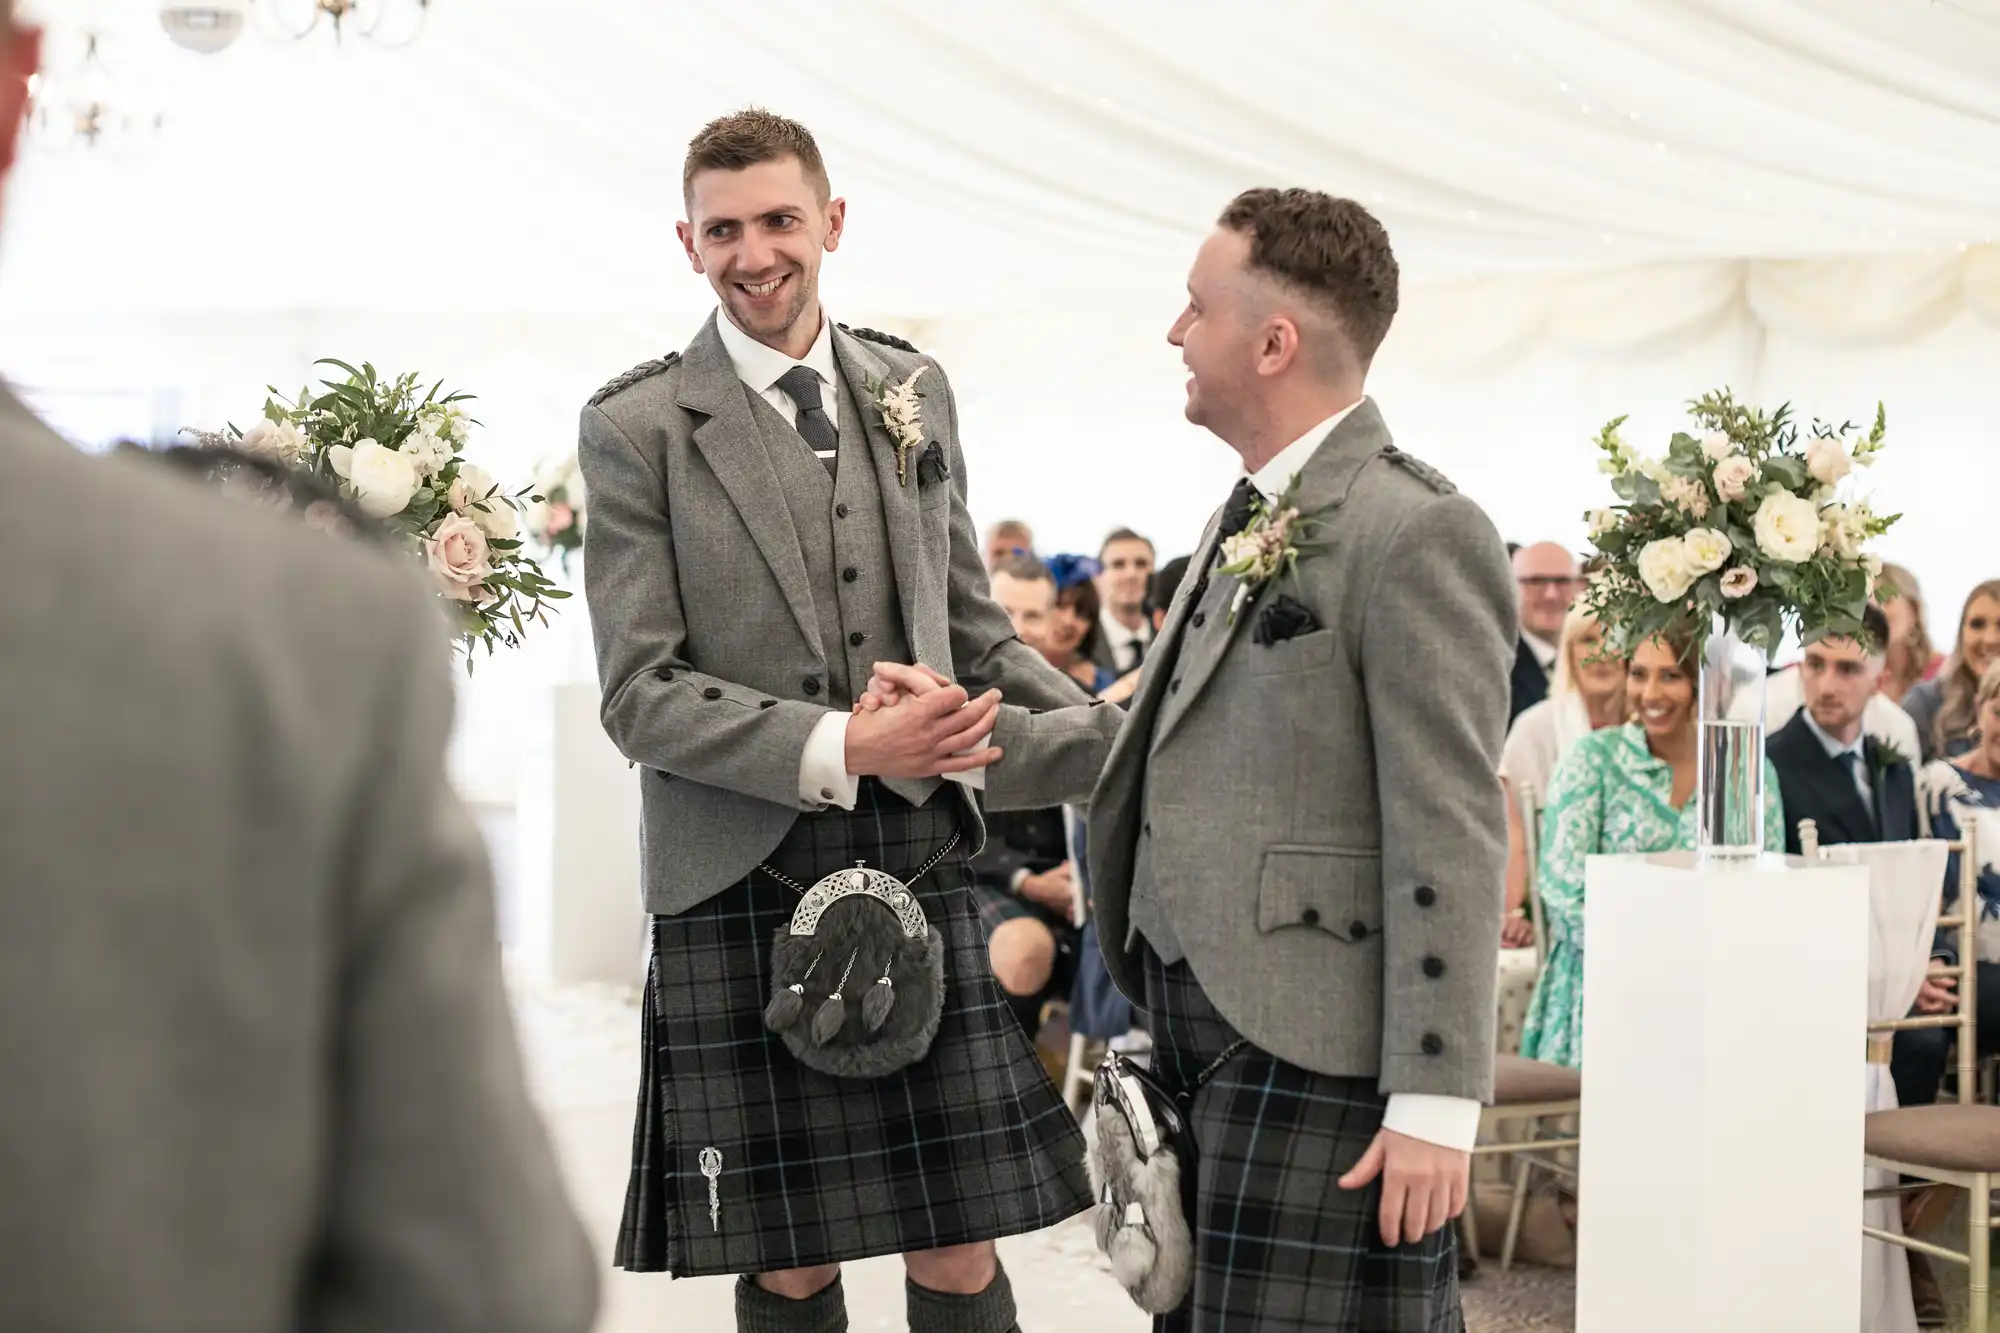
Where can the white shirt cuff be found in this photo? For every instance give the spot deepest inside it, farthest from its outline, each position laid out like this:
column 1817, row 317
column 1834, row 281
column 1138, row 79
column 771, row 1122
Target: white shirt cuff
column 1449, row 1122
column 973, row 779
column 823, row 776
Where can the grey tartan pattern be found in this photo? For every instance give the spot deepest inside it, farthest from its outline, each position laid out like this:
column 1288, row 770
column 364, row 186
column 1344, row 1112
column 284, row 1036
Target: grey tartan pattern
column 971, row 1143
column 1279, row 1246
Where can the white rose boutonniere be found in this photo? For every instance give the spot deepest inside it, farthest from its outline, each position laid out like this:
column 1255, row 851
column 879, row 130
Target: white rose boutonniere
column 1269, row 545
column 902, row 417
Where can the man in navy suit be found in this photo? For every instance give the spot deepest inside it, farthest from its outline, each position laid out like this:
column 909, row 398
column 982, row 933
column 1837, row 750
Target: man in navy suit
column 1829, row 770
column 1858, row 790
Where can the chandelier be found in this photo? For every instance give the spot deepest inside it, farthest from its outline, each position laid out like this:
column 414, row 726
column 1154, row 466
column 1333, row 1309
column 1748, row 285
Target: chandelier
column 388, row 23
column 209, row 26
column 88, row 108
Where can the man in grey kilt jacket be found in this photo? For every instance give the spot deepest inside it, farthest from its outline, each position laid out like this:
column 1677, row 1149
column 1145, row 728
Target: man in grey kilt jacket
column 1299, row 843
column 770, row 518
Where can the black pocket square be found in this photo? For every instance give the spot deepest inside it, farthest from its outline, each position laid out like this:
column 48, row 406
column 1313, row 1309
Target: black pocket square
column 931, row 468
column 1284, row 618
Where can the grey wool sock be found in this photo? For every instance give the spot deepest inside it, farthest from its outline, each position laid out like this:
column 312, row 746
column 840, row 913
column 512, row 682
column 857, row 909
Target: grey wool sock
column 988, row 1311
column 761, row 1311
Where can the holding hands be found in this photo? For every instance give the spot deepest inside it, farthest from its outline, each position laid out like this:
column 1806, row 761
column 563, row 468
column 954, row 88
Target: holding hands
column 913, row 723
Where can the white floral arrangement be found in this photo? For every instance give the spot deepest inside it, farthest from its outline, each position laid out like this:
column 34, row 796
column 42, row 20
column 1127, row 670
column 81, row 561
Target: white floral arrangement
column 398, row 458
column 1742, row 524
column 555, row 513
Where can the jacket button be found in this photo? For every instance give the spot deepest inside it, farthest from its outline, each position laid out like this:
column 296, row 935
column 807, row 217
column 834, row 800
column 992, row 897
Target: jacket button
column 1432, row 1044
column 711, row 693
column 666, row 673
column 1200, row 619
column 768, row 703
column 810, row 685
column 1426, row 895
column 826, row 793
column 849, row 574
column 1433, row 967
column 840, row 511
column 1174, row 688
column 857, row 638
column 1310, row 916
column 1148, row 828
column 1358, row 929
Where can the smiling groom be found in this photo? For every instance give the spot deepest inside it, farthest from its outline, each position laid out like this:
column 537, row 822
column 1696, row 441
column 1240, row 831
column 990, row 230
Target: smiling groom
column 774, row 512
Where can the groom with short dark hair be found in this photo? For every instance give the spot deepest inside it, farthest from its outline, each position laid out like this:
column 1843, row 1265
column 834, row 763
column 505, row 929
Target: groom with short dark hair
column 1299, row 842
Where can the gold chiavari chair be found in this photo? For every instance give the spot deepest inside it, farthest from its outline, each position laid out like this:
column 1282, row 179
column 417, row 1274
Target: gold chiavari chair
column 1528, row 1094
column 1954, row 1143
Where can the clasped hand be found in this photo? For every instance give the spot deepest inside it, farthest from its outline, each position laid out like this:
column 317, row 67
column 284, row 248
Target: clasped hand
column 913, row 723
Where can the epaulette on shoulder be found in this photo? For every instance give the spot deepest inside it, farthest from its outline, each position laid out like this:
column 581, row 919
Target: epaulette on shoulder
column 1421, row 470
column 645, row 370
column 886, row 339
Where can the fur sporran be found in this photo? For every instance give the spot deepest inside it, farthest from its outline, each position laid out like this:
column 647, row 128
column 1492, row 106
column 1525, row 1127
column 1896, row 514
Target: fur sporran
column 1142, row 1166
column 857, row 977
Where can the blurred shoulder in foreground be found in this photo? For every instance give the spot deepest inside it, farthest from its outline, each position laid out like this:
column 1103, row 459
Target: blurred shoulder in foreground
column 260, row 1068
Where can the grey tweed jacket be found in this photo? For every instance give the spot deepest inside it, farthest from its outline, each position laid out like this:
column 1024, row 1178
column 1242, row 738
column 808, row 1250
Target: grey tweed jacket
column 258, row 1068
column 709, row 644
column 1318, row 820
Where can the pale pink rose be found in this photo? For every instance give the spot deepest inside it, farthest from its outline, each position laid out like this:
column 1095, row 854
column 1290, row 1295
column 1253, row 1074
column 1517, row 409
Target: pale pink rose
column 1732, row 477
column 1739, row 582
column 460, row 558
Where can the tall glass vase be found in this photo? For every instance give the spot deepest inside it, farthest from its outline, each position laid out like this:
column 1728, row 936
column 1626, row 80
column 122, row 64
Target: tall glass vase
column 1729, row 773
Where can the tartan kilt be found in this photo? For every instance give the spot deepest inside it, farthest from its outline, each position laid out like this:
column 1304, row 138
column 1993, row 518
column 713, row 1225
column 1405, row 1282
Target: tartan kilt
column 970, row 1143
column 1279, row 1246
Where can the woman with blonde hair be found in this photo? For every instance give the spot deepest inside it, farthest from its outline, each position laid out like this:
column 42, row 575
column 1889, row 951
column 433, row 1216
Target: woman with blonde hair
column 1588, row 694
column 1912, row 659
column 1945, row 709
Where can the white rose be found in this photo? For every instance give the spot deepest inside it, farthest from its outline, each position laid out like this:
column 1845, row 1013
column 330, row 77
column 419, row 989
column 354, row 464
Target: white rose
column 428, row 451
column 497, row 519
column 1787, row 528
column 342, row 458
column 1601, row 521
column 1732, row 477
column 1663, row 567
column 383, row 479
column 278, row 441
column 474, row 484
column 1739, row 582
column 1717, row 446
column 1827, row 460
column 1706, row 550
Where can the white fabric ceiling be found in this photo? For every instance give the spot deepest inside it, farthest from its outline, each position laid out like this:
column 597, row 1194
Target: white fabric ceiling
column 1018, row 156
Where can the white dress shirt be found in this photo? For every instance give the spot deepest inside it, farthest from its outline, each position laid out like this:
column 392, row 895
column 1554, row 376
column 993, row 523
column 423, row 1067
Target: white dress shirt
column 1544, row 651
column 1450, row 1122
column 823, row 776
column 1121, row 639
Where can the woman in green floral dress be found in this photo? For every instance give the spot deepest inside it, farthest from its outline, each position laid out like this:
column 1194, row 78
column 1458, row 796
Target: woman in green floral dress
column 1621, row 790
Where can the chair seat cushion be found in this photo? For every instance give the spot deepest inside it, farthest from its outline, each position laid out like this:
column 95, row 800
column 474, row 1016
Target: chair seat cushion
column 1518, row 1081
column 1948, row 1138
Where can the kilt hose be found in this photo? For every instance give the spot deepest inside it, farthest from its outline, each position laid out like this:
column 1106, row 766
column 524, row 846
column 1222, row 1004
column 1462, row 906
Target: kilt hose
column 970, row 1143
column 1279, row 1246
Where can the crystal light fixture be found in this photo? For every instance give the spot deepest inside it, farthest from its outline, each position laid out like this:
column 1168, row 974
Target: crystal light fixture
column 388, row 23
column 88, row 108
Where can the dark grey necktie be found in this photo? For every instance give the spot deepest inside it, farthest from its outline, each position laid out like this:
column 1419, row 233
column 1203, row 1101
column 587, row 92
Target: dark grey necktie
column 1236, row 512
column 816, row 428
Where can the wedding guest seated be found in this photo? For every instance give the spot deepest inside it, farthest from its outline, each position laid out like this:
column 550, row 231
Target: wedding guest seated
column 1546, row 577
column 1008, row 539
column 1024, row 882
column 1785, row 695
column 1942, row 707
column 1124, row 580
column 1912, row 659
column 1589, row 695
column 1075, row 636
column 1852, row 786
column 1958, row 795
column 1622, row 790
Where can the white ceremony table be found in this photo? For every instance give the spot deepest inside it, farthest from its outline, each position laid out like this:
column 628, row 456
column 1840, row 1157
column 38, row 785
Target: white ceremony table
column 1725, row 1017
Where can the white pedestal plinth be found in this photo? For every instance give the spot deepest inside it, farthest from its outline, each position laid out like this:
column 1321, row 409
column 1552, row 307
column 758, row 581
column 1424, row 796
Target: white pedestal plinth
column 1725, row 1026
column 578, row 811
